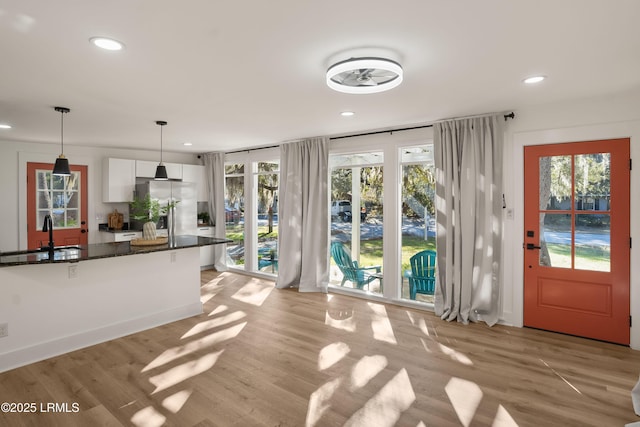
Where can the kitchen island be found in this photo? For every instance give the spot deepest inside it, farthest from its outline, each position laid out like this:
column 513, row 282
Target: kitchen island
column 57, row 301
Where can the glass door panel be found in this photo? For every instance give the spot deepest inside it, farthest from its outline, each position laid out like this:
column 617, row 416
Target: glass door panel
column 593, row 242
column 577, row 189
column 555, row 244
column 357, row 219
column 234, row 214
column 417, row 188
column 267, row 216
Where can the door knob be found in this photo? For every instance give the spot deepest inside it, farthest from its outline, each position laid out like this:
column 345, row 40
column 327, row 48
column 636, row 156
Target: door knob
column 83, row 231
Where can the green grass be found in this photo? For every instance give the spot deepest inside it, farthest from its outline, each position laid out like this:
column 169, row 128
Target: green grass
column 371, row 250
column 587, row 257
column 236, row 233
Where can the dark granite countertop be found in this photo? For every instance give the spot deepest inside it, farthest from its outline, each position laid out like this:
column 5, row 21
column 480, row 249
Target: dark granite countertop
column 101, row 250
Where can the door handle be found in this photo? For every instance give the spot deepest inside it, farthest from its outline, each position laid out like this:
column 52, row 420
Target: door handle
column 531, row 246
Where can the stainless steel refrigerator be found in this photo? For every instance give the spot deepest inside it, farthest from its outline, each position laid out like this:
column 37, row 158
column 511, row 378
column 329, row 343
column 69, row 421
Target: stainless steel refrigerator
column 185, row 217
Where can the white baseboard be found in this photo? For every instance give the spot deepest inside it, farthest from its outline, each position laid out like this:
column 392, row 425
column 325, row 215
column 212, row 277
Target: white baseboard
column 45, row 350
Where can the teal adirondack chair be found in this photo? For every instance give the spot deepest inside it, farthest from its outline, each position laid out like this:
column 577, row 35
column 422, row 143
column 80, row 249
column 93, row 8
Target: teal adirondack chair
column 422, row 277
column 350, row 269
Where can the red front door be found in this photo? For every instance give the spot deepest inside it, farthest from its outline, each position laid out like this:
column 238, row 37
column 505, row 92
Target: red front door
column 577, row 239
column 64, row 198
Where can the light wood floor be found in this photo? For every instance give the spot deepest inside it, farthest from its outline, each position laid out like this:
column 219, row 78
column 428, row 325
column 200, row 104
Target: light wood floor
column 261, row 356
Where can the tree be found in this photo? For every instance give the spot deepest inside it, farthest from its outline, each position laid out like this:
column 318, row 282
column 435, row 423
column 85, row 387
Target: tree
column 418, row 182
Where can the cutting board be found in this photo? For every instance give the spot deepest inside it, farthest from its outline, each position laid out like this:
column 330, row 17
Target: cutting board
column 115, row 220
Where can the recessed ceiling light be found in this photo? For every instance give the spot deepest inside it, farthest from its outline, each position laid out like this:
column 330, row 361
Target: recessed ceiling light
column 187, row 144
column 534, row 79
column 3, row 126
column 106, row 43
column 364, row 75
column 347, row 113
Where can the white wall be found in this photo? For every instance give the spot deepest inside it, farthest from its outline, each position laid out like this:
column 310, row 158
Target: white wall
column 13, row 159
column 597, row 118
column 48, row 312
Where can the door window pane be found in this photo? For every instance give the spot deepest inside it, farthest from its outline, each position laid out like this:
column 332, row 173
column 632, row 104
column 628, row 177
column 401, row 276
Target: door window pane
column 593, row 242
column 555, row 183
column 555, row 244
column 592, row 182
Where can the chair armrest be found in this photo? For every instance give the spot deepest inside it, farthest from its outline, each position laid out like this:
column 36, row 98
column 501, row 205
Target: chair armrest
column 377, row 268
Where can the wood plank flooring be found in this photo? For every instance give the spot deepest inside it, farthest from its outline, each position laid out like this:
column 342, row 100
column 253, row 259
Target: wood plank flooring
column 259, row 356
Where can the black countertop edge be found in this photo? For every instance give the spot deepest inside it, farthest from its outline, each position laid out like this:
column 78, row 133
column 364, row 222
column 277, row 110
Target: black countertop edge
column 102, row 250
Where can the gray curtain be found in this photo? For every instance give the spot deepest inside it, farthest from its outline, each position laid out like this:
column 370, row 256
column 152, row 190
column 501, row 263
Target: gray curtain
column 214, row 166
column 303, row 223
column 468, row 160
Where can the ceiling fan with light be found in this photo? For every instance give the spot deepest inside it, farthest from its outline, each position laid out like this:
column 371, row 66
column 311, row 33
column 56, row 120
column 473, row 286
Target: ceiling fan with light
column 364, row 75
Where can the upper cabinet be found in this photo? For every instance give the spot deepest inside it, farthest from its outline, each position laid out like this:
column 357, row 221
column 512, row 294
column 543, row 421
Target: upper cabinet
column 118, row 180
column 147, row 169
column 196, row 174
column 119, row 177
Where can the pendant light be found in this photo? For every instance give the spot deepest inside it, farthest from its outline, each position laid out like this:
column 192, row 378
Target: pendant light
column 62, row 163
column 161, row 170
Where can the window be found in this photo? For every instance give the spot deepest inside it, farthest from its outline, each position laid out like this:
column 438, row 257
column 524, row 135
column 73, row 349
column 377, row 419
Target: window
column 59, row 197
column 266, row 184
column 251, row 202
column 417, row 187
column 357, row 218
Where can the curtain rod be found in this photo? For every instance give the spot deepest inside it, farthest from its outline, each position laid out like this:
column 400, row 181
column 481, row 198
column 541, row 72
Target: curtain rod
column 510, row 115
column 507, row 116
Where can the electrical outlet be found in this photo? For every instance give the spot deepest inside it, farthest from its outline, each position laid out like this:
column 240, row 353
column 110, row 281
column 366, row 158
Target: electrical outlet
column 4, row 330
column 73, row 271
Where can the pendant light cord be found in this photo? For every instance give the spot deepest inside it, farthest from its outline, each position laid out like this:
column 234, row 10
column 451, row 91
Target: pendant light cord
column 161, row 123
column 62, row 132
column 62, row 111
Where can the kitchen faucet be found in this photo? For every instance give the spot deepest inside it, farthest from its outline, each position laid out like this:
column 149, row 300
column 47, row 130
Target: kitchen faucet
column 48, row 226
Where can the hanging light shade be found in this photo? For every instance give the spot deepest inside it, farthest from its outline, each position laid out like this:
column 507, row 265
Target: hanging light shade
column 161, row 170
column 61, row 166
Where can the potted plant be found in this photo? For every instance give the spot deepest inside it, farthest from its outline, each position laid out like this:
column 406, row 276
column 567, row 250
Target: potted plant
column 146, row 210
column 203, row 218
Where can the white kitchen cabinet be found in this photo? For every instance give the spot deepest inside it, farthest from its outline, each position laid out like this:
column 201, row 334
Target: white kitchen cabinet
column 118, row 180
column 197, row 175
column 124, row 236
column 147, row 169
column 206, row 252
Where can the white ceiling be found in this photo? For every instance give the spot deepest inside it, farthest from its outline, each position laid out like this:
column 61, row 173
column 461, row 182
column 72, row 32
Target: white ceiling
column 237, row 74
